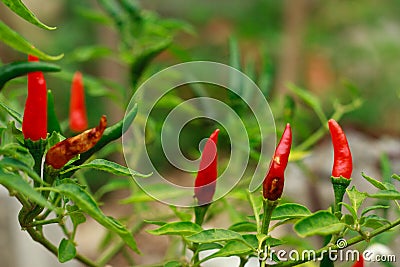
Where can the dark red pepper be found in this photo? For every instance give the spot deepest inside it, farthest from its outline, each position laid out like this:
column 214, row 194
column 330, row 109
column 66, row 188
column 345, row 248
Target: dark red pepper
column 342, row 162
column 78, row 121
column 275, row 178
column 205, row 183
column 64, row 151
column 34, row 124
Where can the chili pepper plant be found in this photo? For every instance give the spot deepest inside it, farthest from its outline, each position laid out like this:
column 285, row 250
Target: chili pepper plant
column 44, row 163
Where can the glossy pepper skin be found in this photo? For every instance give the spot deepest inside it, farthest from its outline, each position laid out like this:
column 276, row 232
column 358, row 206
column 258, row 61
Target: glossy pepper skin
column 342, row 162
column 360, row 262
column 34, row 124
column 78, row 121
column 205, row 183
column 275, row 178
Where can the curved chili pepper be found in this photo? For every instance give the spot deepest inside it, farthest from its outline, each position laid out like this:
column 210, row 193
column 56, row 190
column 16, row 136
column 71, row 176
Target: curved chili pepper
column 342, row 162
column 274, row 180
column 64, row 151
column 34, row 124
column 205, row 183
column 78, row 121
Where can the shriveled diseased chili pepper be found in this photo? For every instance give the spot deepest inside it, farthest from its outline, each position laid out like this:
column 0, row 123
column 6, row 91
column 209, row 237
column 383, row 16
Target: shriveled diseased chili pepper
column 34, row 124
column 62, row 152
column 78, row 121
column 342, row 162
column 205, row 183
column 274, row 180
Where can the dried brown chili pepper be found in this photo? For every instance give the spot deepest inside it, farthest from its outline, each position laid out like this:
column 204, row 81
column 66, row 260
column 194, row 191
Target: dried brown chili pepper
column 64, row 151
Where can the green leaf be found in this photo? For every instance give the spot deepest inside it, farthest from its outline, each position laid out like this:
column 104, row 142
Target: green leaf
column 66, row 250
column 17, row 183
column 173, row 264
column 348, row 219
column 386, row 194
column 351, row 209
column 159, row 223
column 107, row 166
column 15, row 69
column 21, row 166
column 289, row 211
column 319, row 223
column 374, row 221
column 356, row 198
column 183, row 216
column 216, row 235
column 395, row 176
column 374, row 182
column 157, row 191
column 87, row 53
column 76, row 215
column 16, row 115
column 87, row 204
column 243, row 227
column 373, row 208
column 311, row 100
column 112, row 185
column 209, row 246
column 177, row 228
column 21, row 10
column 53, row 124
column 16, row 41
column 18, row 152
column 231, row 248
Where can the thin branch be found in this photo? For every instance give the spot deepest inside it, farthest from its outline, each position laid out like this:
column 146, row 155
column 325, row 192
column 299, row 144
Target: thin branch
column 53, row 249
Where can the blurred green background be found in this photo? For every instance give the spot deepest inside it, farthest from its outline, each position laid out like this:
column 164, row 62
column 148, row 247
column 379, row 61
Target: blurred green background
column 324, row 46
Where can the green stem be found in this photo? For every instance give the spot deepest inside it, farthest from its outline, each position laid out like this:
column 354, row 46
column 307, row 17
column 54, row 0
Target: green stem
column 256, row 213
column 53, row 249
column 350, row 242
column 243, row 262
column 114, row 250
column 44, row 222
column 268, row 206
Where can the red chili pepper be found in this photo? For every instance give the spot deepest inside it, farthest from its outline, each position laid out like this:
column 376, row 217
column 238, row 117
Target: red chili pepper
column 360, row 262
column 78, row 121
column 34, row 124
column 62, row 152
column 275, row 178
column 205, row 183
column 342, row 162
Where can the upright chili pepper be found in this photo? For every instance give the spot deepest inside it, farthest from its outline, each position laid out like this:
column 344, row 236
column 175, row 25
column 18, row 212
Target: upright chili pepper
column 342, row 162
column 342, row 165
column 34, row 124
column 58, row 155
column 274, row 180
column 78, row 121
column 205, row 183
